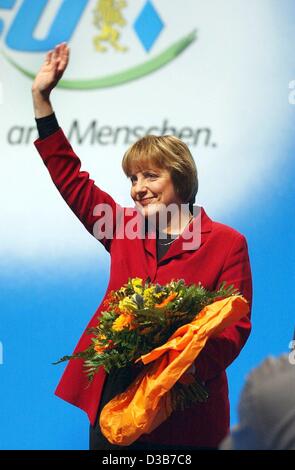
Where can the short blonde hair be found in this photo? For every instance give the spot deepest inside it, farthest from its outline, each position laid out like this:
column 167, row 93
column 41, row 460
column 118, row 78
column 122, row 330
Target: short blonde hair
column 166, row 152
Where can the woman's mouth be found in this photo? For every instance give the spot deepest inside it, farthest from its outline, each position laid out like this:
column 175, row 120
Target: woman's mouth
column 146, row 201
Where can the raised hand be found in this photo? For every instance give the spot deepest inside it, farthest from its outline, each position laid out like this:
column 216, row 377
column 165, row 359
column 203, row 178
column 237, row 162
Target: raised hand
column 52, row 69
column 47, row 78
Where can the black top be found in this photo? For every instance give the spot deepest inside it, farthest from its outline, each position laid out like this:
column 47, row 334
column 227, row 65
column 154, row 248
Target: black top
column 47, row 126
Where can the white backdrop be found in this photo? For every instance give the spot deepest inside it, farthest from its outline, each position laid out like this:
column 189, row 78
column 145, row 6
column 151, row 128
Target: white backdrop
column 230, row 80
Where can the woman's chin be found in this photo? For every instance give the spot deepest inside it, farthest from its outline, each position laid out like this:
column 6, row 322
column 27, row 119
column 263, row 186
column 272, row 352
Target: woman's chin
column 151, row 210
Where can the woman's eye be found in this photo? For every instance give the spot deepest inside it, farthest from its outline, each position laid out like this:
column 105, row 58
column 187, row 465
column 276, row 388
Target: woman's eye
column 133, row 179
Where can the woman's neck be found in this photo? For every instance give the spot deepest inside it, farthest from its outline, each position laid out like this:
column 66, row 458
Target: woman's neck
column 176, row 222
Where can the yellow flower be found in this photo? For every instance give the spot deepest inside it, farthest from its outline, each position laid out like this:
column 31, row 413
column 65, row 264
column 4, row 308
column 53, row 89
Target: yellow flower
column 127, row 305
column 149, row 296
column 137, row 285
column 99, row 349
column 123, row 321
column 100, row 337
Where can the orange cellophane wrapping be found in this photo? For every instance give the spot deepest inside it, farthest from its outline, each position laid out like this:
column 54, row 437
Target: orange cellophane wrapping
column 146, row 404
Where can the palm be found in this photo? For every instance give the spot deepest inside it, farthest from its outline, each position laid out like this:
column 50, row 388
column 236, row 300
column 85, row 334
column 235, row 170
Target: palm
column 52, row 69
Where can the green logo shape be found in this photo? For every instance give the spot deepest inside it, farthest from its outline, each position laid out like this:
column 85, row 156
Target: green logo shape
column 122, row 77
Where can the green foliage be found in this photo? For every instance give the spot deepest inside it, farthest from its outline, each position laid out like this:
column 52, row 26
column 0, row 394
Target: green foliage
column 154, row 320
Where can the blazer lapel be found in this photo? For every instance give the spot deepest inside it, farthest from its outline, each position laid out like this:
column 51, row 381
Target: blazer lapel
column 192, row 237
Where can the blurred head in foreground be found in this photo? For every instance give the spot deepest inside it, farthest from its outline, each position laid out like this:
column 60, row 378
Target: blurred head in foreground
column 266, row 408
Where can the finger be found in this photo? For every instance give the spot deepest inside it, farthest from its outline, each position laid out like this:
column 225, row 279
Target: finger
column 63, row 58
column 54, row 55
column 48, row 57
column 59, row 50
column 60, row 47
column 60, row 69
column 64, row 49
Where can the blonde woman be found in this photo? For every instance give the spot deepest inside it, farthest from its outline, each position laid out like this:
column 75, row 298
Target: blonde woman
column 174, row 239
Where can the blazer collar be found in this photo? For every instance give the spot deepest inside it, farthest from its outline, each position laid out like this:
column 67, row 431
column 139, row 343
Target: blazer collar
column 190, row 240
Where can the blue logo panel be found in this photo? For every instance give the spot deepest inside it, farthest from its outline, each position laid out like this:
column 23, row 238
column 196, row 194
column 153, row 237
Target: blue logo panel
column 148, row 26
column 21, row 34
column 5, row 5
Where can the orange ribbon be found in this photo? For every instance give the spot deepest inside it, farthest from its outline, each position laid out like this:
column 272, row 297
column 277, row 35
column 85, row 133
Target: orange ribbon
column 146, row 404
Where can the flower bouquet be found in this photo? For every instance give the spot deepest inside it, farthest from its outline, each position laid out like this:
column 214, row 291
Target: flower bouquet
column 156, row 325
column 141, row 316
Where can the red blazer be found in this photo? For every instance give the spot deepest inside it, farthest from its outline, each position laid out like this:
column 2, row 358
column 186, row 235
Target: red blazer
column 222, row 256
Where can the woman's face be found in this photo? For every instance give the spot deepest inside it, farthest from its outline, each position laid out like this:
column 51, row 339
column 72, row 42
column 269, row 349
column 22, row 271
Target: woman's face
column 151, row 188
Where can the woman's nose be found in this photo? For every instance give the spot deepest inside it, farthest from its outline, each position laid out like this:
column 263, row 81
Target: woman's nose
column 140, row 186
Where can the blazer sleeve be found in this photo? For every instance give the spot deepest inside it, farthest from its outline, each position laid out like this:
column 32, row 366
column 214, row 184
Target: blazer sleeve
column 220, row 351
column 95, row 208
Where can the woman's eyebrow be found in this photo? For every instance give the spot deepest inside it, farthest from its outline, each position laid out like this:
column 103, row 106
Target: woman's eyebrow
column 153, row 170
column 145, row 170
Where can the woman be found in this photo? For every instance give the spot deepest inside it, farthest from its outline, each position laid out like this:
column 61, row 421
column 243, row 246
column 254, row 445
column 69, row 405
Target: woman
column 187, row 245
